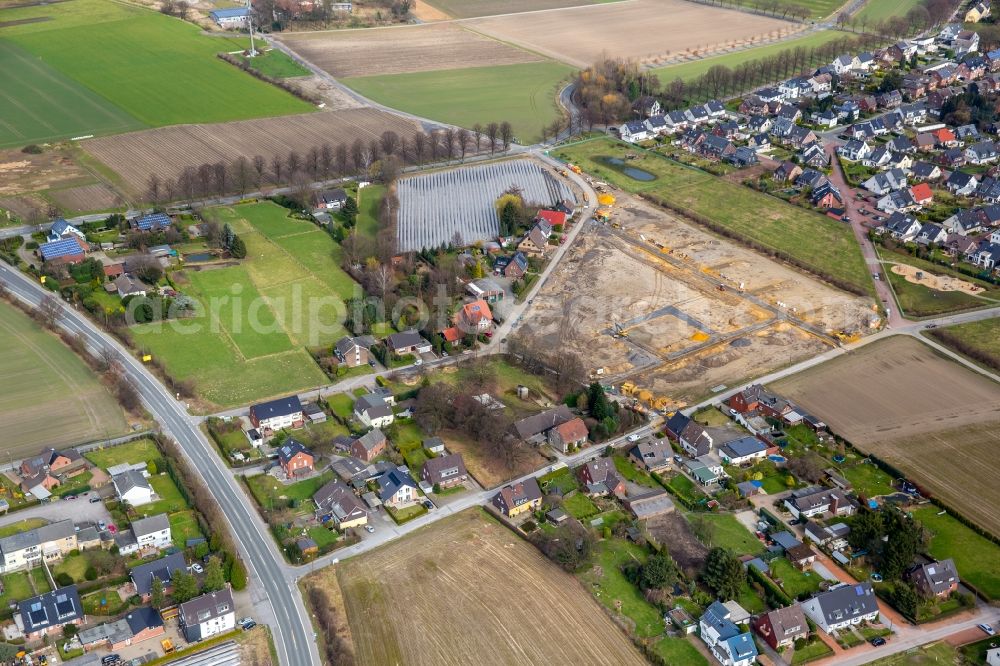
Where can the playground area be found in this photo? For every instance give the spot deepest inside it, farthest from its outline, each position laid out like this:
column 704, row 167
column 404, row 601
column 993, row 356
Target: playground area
column 914, row 275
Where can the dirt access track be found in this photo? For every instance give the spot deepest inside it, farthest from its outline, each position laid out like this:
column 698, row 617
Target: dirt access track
column 647, row 30
column 167, row 151
column 658, row 278
column 402, row 50
column 934, row 419
column 419, row 599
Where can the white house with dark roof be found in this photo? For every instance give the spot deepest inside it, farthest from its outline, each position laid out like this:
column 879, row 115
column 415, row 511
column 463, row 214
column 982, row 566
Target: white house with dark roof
column 277, row 414
column 153, row 532
column 208, row 615
column 133, row 488
column 373, row 410
column 842, row 606
column 743, row 450
column 634, row 131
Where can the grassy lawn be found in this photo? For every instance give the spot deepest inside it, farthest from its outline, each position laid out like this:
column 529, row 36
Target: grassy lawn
column 286, row 296
column 169, row 495
column 916, row 300
column 103, row 602
column 868, row 480
column 978, row 336
column 694, row 69
column 633, row 473
column 522, row 94
column 876, row 11
column 47, row 394
column 711, row 416
column 795, row 583
column 141, row 450
column 276, row 64
column 974, row 653
column 266, row 489
column 184, row 526
column 814, row 649
column 369, row 200
column 22, row 526
column 405, row 435
column 322, row 536
column 976, row 558
column 342, row 405
column 74, row 565
column 612, row 589
column 580, row 506
column 563, row 479
column 40, row 580
column 678, row 651
column 131, row 56
column 827, row 247
column 728, row 532
column 751, row 600
column 73, row 485
column 406, row 514
column 774, row 483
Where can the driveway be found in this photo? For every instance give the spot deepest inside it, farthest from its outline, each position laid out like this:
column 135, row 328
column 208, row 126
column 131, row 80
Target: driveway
column 79, row 510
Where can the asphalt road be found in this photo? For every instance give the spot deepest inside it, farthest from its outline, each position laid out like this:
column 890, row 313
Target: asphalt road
column 292, row 630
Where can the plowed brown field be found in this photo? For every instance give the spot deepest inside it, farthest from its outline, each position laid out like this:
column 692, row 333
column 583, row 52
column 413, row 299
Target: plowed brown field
column 166, row 151
column 87, row 198
column 929, row 416
column 419, row 48
column 467, row 590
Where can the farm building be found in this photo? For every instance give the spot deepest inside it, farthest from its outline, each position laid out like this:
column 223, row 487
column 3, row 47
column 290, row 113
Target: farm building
column 68, row 250
column 236, row 17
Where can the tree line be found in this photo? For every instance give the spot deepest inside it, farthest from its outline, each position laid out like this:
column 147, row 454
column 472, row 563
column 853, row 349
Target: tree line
column 786, row 10
column 380, row 158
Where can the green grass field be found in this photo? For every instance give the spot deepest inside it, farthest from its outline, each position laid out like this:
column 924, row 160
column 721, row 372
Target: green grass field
column 580, row 506
column 277, row 64
column 524, row 95
column 679, row 651
column 980, row 336
column 41, row 104
column 916, row 300
column 694, row 69
column 615, row 592
column 976, row 558
column 814, row 240
column 876, row 11
column 795, row 583
column 727, row 532
column 141, row 450
column 110, row 67
column 256, row 320
column 868, row 480
column 48, row 395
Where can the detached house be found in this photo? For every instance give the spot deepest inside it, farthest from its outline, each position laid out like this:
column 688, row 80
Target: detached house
column 445, row 471
column 397, row 488
column 370, row 445
column 935, row 579
column 336, row 500
column 842, row 606
column 690, row 434
column 782, row 627
column 855, row 150
column 295, row 459
column 816, row 501
column 407, row 342
column 208, row 615
column 885, row 182
column 269, row 417
column 962, row 184
column 984, row 152
column 374, row 410
column 474, row 317
column 743, row 450
column 634, row 131
column 351, row 352
column 163, row 569
column 600, row 477
column 724, row 638
column 572, row 434
column 515, row 499
column 132, row 488
column 652, row 455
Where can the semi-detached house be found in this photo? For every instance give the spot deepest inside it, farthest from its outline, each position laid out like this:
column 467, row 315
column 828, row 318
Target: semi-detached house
column 842, row 606
column 277, row 414
column 25, row 550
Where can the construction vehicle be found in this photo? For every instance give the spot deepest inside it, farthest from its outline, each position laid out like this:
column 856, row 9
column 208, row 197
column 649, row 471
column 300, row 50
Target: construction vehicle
column 563, row 172
column 618, row 331
column 167, row 646
column 574, row 168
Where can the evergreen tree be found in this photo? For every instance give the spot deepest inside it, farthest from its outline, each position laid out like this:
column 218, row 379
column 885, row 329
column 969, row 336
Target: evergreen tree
column 227, row 236
column 156, row 593
column 238, row 576
column 658, row 571
column 214, row 577
column 238, row 249
column 350, row 210
column 600, row 408
column 185, row 586
column 724, row 573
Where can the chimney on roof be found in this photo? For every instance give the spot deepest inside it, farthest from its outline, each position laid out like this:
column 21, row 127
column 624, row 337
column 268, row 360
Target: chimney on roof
column 834, row 504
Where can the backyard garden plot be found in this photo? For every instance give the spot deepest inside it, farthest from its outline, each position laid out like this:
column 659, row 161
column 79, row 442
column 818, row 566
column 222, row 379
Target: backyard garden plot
column 929, row 416
column 403, row 50
column 474, row 577
column 255, row 319
column 48, row 395
column 648, row 30
column 167, row 151
column 437, row 208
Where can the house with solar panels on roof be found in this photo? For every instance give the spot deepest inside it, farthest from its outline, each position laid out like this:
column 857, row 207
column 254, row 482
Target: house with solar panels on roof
column 48, row 613
column 151, row 222
column 842, row 606
column 69, row 250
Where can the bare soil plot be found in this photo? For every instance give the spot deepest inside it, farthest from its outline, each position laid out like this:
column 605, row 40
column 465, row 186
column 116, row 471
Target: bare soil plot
column 487, row 471
column 658, row 278
column 419, row 600
column 936, row 282
column 28, row 207
column 23, row 172
column 929, row 416
column 87, row 198
column 166, row 151
column 648, row 30
column 399, row 50
column 475, row 8
column 674, row 532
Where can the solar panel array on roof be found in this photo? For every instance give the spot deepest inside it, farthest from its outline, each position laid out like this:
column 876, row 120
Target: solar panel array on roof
column 152, row 221
column 65, row 247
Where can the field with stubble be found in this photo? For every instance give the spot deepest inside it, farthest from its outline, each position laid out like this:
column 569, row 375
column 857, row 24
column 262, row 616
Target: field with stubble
column 168, row 150
column 931, row 417
column 647, row 30
column 467, row 589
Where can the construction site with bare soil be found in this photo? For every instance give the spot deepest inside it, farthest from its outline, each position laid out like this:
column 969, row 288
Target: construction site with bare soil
column 674, row 313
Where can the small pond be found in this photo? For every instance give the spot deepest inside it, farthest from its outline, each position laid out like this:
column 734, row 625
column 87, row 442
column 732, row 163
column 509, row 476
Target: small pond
column 200, row 256
column 618, row 164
